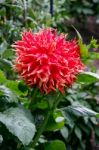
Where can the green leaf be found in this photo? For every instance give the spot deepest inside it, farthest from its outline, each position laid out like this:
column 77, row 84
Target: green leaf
column 97, row 115
column 83, row 47
column 1, row 139
column 22, row 86
column 93, row 55
column 42, row 104
column 2, row 10
column 56, row 121
column 78, row 133
column 2, row 77
column 55, row 145
column 3, row 47
column 93, row 43
column 14, row 86
column 20, row 123
column 78, row 34
column 97, row 130
column 80, row 111
column 8, row 54
column 64, row 132
column 7, row 95
column 69, row 119
column 6, row 64
column 52, row 97
column 88, row 77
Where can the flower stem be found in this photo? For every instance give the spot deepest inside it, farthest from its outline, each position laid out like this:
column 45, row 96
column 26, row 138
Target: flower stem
column 45, row 121
column 57, row 101
column 41, row 129
column 33, row 98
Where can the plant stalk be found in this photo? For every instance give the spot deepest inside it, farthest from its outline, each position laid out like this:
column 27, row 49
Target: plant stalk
column 33, row 99
column 57, row 100
column 41, row 129
column 45, row 121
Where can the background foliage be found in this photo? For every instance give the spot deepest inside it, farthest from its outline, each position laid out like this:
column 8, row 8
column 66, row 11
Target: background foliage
column 74, row 125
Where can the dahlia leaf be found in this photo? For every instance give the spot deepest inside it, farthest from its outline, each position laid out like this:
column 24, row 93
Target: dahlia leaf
column 6, row 95
column 42, row 104
column 80, row 111
column 93, row 43
column 5, row 64
column 97, row 115
column 64, row 132
column 14, row 86
column 88, row 77
column 20, row 123
column 2, row 77
column 83, row 47
column 93, row 55
column 56, row 121
column 8, row 54
column 78, row 34
column 3, row 47
column 78, row 133
column 55, row 145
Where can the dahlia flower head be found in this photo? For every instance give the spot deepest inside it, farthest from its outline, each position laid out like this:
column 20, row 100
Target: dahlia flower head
column 47, row 60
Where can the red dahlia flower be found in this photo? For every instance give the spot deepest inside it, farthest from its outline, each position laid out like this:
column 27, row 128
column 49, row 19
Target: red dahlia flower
column 47, row 60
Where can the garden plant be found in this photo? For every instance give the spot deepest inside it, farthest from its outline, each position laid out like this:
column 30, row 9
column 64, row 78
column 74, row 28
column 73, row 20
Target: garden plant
column 49, row 84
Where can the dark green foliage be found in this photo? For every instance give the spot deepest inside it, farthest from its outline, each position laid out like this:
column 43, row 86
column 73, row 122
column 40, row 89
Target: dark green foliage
column 55, row 145
column 20, row 123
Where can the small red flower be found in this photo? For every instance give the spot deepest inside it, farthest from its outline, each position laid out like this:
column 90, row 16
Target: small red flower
column 47, row 60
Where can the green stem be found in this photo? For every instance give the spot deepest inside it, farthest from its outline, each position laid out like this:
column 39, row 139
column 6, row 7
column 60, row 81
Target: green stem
column 41, row 129
column 33, row 99
column 45, row 121
column 58, row 99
